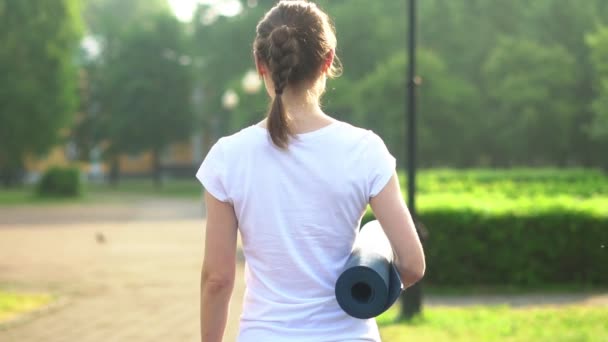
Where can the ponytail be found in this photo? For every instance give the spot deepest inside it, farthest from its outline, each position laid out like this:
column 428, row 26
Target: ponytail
column 278, row 124
column 283, row 59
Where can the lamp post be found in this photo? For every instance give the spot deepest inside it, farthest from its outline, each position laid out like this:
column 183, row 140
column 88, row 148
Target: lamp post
column 411, row 300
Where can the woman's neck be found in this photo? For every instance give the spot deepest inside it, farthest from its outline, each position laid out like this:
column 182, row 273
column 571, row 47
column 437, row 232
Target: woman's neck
column 304, row 112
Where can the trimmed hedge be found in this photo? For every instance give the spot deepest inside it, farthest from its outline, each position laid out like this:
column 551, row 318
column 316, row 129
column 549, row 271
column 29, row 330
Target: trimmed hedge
column 493, row 237
column 562, row 247
column 60, row 182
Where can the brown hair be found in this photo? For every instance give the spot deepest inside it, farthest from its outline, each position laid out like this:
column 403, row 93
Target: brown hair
column 293, row 40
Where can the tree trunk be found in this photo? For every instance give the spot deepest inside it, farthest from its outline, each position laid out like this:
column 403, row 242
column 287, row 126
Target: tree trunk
column 157, row 168
column 11, row 173
column 114, row 171
column 5, row 178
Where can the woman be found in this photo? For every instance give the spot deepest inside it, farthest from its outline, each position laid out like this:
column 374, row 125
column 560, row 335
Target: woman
column 296, row 186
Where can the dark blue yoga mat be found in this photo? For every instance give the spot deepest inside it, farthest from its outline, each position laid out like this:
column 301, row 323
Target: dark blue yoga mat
column 370, row 283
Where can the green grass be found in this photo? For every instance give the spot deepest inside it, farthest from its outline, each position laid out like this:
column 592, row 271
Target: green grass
column 93, row 193
column 513, row 182
column 13, row 304
column 509, row 289
column 499, row 323
column 187, row 188
column 27, row 195
column 512, row 191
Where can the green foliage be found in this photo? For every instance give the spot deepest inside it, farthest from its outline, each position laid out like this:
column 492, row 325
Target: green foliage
column 225, row 49
column 445, row 100
column 557, row 246
column 151, row 88
column 522, row 227
column 524, row 75
column 504, row 83
column 373, row 108
column 60, row 182
column 38, row 93
column 598, row 44
column 364, row 44
column 109, row 19
column 498, row 323
column 140, row 86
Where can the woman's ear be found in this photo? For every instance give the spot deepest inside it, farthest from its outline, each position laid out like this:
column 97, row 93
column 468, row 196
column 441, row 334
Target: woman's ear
column 329, row 60
column 261, row 67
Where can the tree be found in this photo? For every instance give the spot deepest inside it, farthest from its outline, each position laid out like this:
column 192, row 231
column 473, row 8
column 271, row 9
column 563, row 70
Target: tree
column 598, row 45
column 38, row 94
column 150, row 86
column 445, row 107
column 224, row 45
column 566, row 23
column 530, row 87
column 462, row 106
column 107, row 22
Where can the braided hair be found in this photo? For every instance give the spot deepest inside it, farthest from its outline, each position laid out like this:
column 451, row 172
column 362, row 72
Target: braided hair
column 293, row 40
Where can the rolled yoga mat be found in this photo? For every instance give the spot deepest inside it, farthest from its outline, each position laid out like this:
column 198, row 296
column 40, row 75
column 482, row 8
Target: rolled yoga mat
column 370, row 283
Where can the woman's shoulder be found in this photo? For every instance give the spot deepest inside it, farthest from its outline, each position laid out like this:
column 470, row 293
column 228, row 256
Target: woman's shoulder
column 245, row 137
column 358, row 134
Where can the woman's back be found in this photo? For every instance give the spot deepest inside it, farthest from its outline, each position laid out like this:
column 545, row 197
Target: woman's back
column 298, row 212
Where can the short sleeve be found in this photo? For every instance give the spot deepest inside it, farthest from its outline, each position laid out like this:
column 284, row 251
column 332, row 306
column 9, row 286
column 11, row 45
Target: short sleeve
column 212, row 172
column 380, row 164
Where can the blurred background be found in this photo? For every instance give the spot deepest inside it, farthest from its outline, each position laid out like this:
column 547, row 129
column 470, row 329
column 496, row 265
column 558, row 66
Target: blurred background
column 108, row 107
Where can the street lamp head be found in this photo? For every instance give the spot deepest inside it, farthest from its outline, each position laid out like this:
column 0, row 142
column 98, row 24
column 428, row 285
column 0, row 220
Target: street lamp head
column 230, row 99
column 251, row 82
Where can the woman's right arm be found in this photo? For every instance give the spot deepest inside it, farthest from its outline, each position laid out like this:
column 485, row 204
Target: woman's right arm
column 394, row 217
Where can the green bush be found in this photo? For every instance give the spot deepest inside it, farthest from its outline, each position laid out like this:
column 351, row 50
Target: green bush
column 555, row 247
column 539, row 232
column 60, row 182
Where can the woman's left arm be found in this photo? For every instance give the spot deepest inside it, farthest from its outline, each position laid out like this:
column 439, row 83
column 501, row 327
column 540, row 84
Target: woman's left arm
column 217, row 276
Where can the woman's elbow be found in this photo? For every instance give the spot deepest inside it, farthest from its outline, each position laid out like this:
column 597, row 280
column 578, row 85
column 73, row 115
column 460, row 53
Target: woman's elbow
column 420, row 271
column 411, row 274
column 216, row 283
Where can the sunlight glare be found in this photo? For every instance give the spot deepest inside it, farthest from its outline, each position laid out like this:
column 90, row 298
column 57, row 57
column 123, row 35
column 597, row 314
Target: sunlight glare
column 184, row 9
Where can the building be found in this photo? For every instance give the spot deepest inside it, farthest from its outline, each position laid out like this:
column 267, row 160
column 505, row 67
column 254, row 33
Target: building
column 180, row 160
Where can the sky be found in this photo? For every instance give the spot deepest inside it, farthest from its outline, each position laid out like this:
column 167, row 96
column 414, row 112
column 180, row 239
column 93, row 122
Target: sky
column 184, row 9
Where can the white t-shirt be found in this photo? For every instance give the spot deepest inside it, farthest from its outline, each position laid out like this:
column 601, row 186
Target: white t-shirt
column 298, row 212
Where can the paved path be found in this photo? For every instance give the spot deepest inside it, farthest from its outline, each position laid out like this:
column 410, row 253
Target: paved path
column 142, row 283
